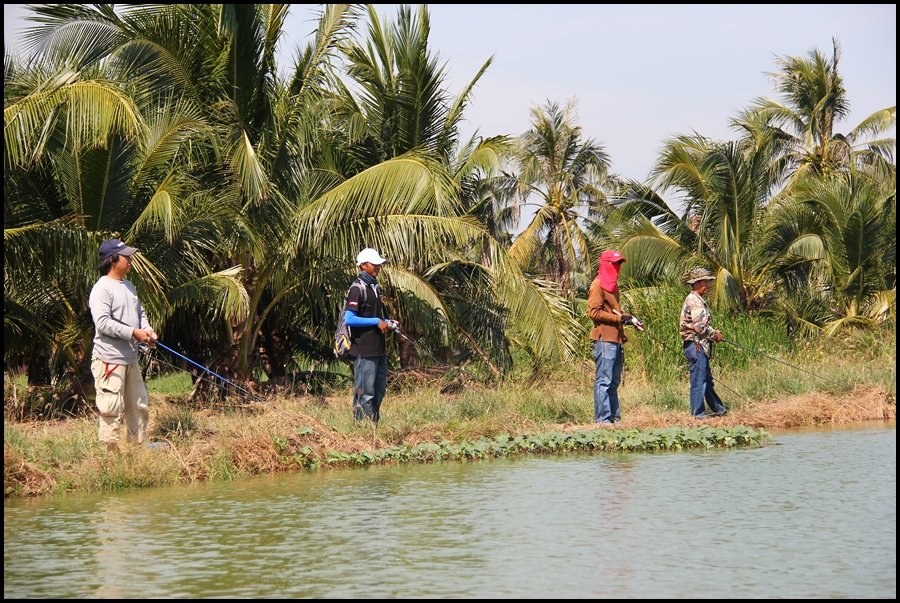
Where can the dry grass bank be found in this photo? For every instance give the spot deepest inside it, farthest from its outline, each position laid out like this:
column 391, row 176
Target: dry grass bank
column 290, row 434
column 863, row 403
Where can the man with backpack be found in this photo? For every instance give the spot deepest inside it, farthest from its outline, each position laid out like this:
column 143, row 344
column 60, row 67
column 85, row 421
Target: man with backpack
column 364, row 314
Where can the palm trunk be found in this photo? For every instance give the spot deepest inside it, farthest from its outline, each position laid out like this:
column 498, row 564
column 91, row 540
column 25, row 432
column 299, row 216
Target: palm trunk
column 210, row 388
column 484, row 357
column 274, row 356
column 409, row 355
column 38, row 366
column 560, row 270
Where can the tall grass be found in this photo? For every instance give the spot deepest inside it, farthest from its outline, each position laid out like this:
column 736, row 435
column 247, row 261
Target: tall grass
column 656, row 354
column 296, row 432
column 768, row 365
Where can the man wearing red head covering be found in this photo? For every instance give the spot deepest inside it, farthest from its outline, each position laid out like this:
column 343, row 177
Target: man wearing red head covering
column 607, row 336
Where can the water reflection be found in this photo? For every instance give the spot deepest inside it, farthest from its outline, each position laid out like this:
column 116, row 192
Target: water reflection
column 789, row 520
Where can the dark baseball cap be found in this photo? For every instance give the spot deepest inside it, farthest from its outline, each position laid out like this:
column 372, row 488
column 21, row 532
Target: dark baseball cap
column 112, row 247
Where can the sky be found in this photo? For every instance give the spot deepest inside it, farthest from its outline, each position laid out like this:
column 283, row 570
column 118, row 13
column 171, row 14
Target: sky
column 640, row 74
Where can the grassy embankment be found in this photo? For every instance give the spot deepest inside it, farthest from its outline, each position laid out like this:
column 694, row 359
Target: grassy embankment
column 846, row 381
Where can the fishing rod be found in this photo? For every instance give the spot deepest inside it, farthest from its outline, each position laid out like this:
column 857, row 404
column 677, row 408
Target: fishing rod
column 394, row 326
column 147, row 349
column 152, row 358
column 737, row 345
column 716, row 381
column 252, row 396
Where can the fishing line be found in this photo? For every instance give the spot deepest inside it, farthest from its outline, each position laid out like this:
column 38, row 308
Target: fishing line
column 716, row 381
column 253, row 397
column 737, row 345
column 147, row 349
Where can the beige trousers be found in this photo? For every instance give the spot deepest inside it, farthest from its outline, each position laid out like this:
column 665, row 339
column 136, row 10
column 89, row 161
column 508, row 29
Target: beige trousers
column 121, row 393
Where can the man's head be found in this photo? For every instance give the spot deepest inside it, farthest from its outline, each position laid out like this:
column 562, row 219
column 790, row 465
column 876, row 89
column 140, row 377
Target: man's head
column 112, row 247
column 612, row 256
column 608, row 272
column 369, row 261
column 700, row 279
column 115, row 257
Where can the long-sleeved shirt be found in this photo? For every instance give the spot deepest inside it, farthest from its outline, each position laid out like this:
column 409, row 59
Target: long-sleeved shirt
column 117, row 312
column 604, row 310
column 695, row 322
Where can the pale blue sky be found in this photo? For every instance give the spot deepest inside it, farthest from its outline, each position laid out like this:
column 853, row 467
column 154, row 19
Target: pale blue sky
column 642, row 73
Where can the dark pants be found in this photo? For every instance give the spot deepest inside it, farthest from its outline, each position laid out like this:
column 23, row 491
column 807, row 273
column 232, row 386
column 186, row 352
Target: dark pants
column 369, row 385
column 701, row 382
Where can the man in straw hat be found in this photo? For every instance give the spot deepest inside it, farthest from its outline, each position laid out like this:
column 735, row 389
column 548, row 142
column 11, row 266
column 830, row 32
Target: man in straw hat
column 698, row 335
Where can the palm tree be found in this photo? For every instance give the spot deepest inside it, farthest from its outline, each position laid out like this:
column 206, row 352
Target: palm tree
column 836, row 245
column 564, row 176
column 724, row 188
column 803, row 123
column 219, row 61
column 86, row 161
column 397, row 107
column 265, row 151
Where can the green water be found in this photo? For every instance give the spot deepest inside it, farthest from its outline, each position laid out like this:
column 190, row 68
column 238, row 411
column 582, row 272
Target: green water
column 811, row 515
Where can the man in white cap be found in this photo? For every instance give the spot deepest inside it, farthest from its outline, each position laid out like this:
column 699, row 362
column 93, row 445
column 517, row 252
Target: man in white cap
column 698, row 335
column 364, row 314
column 120, row 325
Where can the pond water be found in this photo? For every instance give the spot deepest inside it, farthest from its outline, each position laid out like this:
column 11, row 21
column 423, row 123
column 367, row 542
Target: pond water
column 812, row 514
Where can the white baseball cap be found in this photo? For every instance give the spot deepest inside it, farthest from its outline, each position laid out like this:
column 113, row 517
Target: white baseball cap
column 371, row 256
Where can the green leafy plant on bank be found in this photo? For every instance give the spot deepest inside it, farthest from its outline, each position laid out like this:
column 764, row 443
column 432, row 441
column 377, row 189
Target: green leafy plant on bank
column 597, row 440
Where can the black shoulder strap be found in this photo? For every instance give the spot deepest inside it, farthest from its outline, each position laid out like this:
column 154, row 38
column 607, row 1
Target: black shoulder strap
column 362, row 286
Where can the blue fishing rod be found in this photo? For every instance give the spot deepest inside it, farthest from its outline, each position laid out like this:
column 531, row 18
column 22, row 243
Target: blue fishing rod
column 200, row 366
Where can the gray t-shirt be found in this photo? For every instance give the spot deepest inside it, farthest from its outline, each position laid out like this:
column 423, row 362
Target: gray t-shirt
column 117, row 313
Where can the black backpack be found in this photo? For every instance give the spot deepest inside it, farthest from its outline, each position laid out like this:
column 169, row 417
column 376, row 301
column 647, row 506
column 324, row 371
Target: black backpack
column 342, row 334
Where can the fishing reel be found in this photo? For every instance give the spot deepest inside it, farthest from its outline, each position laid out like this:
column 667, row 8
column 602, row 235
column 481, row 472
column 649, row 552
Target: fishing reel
column 146, row 348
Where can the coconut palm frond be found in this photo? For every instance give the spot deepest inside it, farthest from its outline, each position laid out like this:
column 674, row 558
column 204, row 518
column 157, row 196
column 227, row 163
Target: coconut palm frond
column 222, row 292
column 406, row 185
column 90, row 112
column 526, row 245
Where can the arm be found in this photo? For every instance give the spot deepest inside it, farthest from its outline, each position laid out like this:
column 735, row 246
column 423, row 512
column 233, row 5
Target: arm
column 144, row 332
column 353, row 320
column 145, row 322
column 701, row 326
column 356, row 299
column 630, row 319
